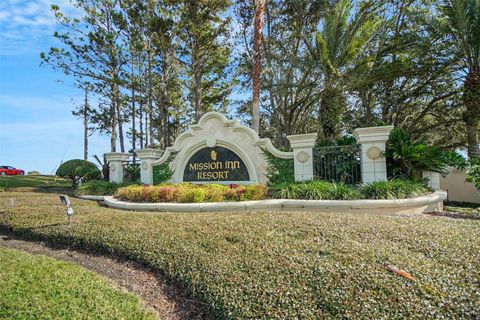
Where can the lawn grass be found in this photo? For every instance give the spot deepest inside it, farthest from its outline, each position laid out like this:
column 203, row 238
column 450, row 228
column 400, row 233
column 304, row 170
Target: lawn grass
column 33, row 181
column 466, row 209
column 287, row 265
column 34, row 287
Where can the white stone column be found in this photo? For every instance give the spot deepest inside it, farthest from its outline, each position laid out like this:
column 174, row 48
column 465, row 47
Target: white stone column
column 302, row 145
column 147, row 156
column 372, row 140
column 433, row 179
column 116, row 161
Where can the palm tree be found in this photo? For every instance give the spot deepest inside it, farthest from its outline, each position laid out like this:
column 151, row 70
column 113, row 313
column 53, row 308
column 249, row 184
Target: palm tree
column 257, row 61
column 463, row 17
column 339, row 47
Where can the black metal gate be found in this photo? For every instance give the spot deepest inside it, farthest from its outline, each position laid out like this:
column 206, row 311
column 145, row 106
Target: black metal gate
column 338, row 163
column 131, row 172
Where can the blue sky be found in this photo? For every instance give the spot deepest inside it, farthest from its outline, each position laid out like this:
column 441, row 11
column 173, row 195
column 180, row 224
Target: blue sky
column 37, row 128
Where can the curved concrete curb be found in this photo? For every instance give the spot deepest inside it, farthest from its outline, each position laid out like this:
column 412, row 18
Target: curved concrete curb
column 95, row 198
column 424, row 204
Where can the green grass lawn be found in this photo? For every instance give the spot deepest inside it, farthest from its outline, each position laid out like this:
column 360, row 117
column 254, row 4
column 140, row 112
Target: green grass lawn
column 286, row 265
column 33, row 181
column 466, row 209
column 39, row 287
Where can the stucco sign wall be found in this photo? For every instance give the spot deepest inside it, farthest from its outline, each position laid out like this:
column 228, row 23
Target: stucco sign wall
column 219, row 150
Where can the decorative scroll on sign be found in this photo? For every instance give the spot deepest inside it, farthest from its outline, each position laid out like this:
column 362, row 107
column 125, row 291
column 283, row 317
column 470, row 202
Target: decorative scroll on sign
column 215, row 164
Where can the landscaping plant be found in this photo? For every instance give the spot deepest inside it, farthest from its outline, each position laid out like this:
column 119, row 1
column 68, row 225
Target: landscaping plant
column 78, row 170
column 322, row 190
column 277, row 265
column 36, row 286
column 187, row 193
column 98, row 188
column 407, row 158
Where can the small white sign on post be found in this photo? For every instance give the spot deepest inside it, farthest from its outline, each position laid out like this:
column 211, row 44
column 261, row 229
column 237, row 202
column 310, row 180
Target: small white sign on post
column 66, row 202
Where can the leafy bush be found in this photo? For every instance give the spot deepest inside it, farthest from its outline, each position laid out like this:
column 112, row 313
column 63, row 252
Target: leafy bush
column 33, row 173
column 77, row 170
column 394, row 189
column 98, row 188
column 322, row 190
column 162, row 172
column 316, row 190
column 473, row 173
column 279, row 170
column 254, row 192
column 407, row 158
column 186, row 193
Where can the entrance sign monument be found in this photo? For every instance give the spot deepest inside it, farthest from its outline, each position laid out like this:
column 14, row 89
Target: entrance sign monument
column 219, row 150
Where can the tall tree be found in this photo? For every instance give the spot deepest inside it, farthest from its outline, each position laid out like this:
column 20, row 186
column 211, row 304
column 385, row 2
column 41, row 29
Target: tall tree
column 257, row 61
column 343, row 38
column 205, row 53
column 91, row 49
column 463, row 18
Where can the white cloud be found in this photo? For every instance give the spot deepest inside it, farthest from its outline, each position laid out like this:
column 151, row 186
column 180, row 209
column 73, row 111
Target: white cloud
column 26, row 24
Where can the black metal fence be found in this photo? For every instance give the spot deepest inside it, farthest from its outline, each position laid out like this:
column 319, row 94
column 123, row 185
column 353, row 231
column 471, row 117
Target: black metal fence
column 131, row 172
column 338, row 163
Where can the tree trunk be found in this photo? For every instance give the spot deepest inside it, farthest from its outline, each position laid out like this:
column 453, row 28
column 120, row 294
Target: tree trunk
column 85, row 126
column 120, row 123
column 331, row 113
column 257, row 62
column 149, row 98
column 197, row 93
column 140, row 119
column 134, row 133
column 471, row 116
column 113, row 111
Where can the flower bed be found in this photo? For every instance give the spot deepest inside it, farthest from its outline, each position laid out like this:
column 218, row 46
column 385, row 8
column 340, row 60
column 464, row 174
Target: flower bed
column 188, row 193
column 312, row 190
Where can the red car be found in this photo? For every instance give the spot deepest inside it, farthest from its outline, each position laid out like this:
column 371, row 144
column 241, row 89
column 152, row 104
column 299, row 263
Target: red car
column 10, row 171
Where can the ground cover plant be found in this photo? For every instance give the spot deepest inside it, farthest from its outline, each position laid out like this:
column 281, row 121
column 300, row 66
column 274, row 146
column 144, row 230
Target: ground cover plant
column 187, row 192
column 287, row 265
column 35, row 286
column 322, row 190
column 98, row 188
column 465, row 209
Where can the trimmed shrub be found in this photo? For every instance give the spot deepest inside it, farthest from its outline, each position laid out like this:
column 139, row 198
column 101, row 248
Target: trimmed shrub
column 77, row 170
column 186, row 192
column 254, row 192
column 215, row 192
column 131, row 193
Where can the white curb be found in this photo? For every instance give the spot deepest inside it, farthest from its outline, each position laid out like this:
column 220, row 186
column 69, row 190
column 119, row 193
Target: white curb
column 428, row 203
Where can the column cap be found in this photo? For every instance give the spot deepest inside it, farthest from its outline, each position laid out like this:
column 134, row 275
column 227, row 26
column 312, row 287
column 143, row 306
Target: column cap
column 306, row 140
column 149, row 154
column 372, row 134
column 117, row 156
